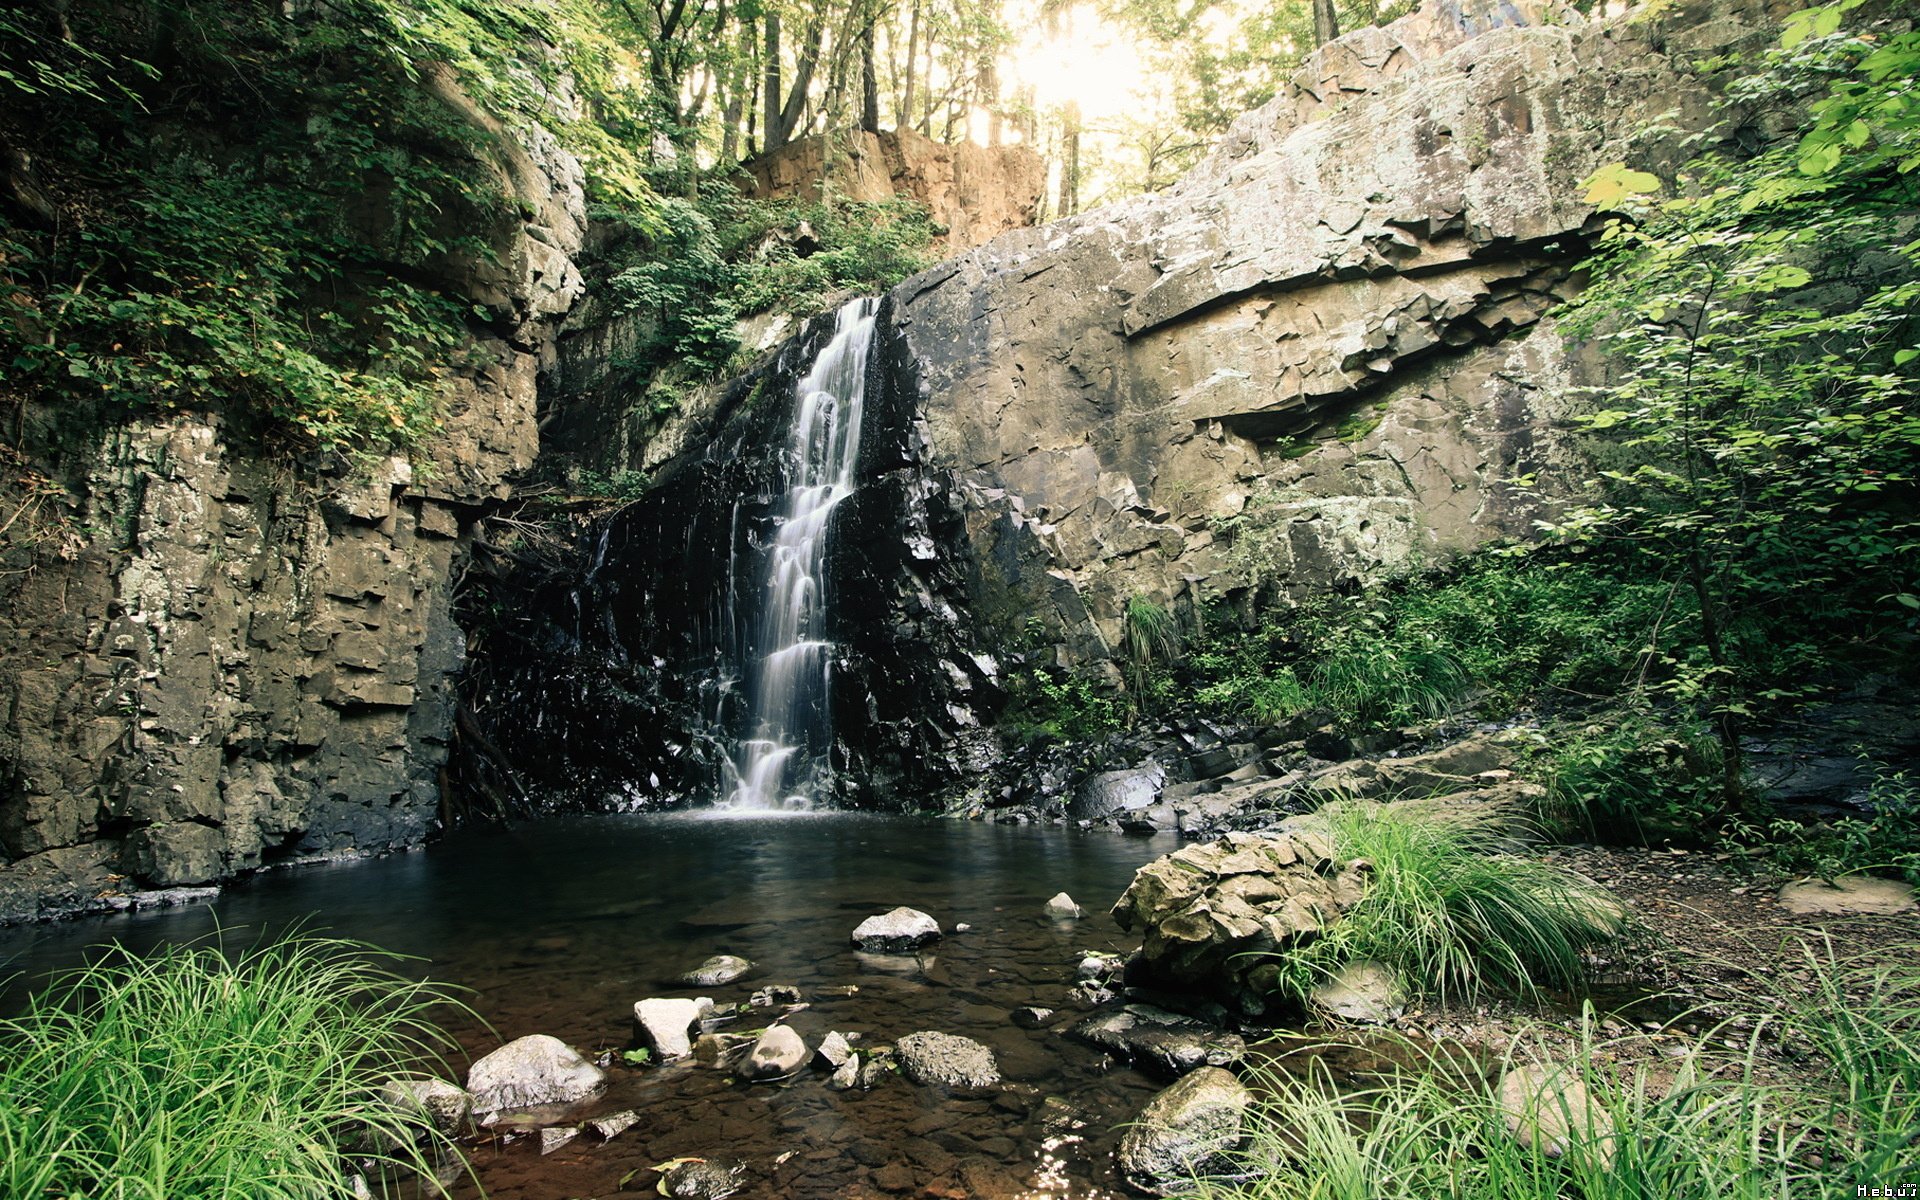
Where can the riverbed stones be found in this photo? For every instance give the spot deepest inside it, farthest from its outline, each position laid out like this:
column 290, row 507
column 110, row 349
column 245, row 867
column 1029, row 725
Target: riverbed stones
column 947, row 1060
column 778, row 1053
column 665, row 1025
column 1062, row 908
column 1160, row 1042
column 702, row 1178
column 896, row 932
column 718, row 970
column 444, row 1106
column 613, row 1124
column 1363, row 993
column 1211, row 914
column 721, row 1050
column 530, row 1071
column 555, row 1136
column 1549, row 1107
column 1031, row 1017
column 1098, row 966
column 834, row 1051
column 1191, row 1128
column 846, row 1075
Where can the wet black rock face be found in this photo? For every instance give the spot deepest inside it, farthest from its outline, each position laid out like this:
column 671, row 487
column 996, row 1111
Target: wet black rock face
column 612, row 675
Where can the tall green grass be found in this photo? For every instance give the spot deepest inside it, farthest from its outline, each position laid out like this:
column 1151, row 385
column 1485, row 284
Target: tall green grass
column 187, row 1074
column 1449, row 909
column 1659, row 1120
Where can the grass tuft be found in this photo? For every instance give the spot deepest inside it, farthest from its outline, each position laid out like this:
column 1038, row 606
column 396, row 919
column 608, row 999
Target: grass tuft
column 187, row 1074
column 1452, row 911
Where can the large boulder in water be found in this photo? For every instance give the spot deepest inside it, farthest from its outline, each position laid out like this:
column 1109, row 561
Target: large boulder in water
column 1210, row 915
column 1190, row 1129
column 531, row 1071
column 947, row 1060
column 778, row 1053
column 664, row 1025
column 896, row 932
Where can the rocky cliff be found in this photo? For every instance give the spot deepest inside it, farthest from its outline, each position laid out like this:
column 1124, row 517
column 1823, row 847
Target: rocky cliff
column 1324, row 357
column 973, row 192
column 210, row 661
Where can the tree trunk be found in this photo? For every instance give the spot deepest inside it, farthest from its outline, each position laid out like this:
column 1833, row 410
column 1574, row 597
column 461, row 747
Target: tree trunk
column 1326, row 23
column 1070, row 163
column 904, row 118
column 770, row 118
column 869, row 84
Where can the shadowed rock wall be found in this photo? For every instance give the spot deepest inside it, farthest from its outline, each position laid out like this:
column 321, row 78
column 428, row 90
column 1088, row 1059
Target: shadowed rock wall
column 214, row 661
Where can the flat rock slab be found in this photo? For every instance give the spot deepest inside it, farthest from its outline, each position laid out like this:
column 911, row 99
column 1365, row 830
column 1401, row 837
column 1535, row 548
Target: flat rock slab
column 721, row 968
column 1855, row 895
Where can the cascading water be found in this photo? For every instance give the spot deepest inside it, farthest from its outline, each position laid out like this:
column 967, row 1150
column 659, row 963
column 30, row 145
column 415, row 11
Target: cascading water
column 776, row 766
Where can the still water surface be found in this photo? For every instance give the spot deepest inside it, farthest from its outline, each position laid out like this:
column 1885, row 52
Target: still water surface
column 558, row 927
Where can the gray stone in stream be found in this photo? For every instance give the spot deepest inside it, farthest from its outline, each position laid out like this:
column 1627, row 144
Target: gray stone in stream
column 778, row 1054
column 878, row 1065
column 552, row 1138
column 1190, row 1129
column 894, row 932
column 443, row 1105
column 1098, row 966
column 721, row 968
column 1031, row 1017
column 703, row 1179
column 1062, row 907
column 528, row 1071
column 774, row 995
column 1112, row 792
column 1366, row 993
column 1549, row 1107
column 664, row 1025
column 846, row 1075
column 833, row 1052
column 721, row 1049
column 1160, row 1042
column 945, row 1060
column 613, row 1124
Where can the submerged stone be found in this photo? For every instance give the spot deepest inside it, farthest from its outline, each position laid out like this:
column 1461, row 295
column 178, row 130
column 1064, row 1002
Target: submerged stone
column 947, row 1060
column 720, row 969
column 1190, row 1129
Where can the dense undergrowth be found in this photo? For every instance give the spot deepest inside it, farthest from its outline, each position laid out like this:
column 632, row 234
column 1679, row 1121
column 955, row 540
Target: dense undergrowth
column 186, row 1074
column 1815, row 1101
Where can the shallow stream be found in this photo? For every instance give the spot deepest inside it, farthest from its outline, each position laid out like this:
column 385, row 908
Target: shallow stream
column 558, row 927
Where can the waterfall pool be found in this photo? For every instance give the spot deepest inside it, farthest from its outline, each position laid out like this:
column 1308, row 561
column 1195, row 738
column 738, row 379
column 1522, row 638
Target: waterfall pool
column 559, row 927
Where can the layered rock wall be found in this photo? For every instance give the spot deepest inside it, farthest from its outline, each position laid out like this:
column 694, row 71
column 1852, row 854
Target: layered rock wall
column 211, row 661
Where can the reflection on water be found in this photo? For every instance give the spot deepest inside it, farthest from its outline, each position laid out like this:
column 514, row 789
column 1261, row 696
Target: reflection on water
column 560, row 926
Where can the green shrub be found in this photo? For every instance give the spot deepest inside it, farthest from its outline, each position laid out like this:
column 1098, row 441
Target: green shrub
column 1632, row 777
column 1687, row 1121
column 1451, row 911
column 1886, row 841
column 186, row 1075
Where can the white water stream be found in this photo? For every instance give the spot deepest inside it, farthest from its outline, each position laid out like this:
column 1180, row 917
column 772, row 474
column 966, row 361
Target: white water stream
column 775, row 766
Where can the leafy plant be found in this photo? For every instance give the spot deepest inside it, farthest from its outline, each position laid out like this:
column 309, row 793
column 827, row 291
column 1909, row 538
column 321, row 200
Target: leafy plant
column 187, row 1074
column 1885, row 841
column 1451, row 910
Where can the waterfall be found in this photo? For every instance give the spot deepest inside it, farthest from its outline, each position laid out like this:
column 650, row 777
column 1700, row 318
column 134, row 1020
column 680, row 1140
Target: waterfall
column 776, row 765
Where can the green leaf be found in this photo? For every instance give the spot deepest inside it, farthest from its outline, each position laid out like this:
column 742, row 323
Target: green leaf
column 1616, row 182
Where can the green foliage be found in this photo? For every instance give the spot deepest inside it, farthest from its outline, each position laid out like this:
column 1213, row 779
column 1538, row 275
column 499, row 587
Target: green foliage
column 713, row 260
column 187, row 1075
column 622, row 485
column 1886, row 841
column 1501, row 628
column 271, row 275
column 1450, row 911
column 1762, row 437
column 1659, row 1118
column 1052, row 703
column 1632, row 776
column 1152, row 646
